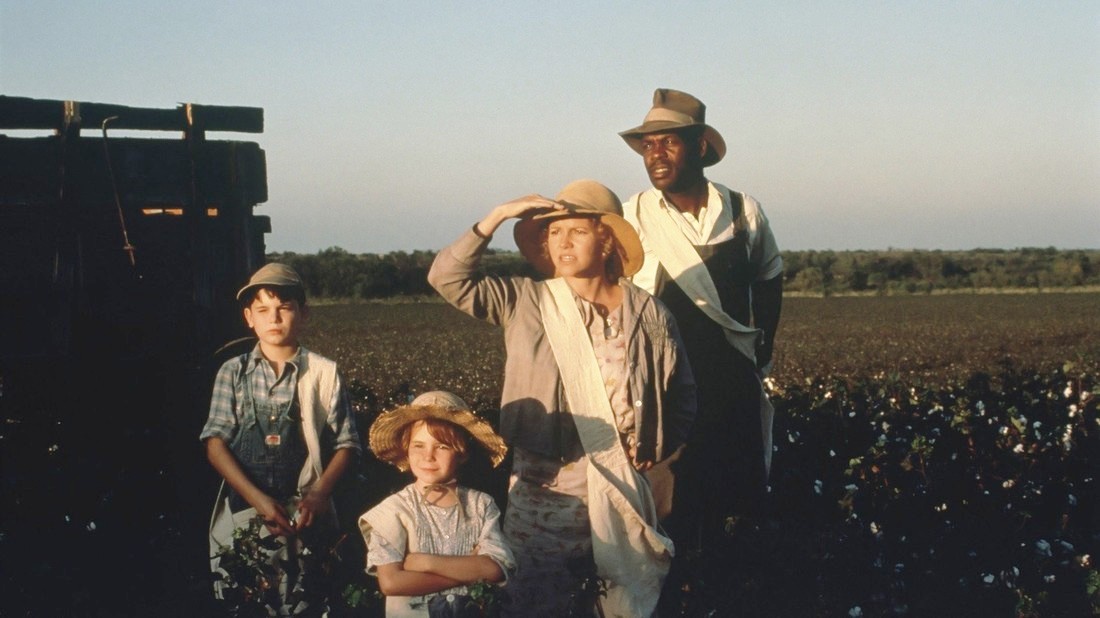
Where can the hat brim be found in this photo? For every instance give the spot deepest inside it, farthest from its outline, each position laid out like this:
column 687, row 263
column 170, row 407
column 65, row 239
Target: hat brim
column 716, row 145
column 528, row 236
column 385, row 433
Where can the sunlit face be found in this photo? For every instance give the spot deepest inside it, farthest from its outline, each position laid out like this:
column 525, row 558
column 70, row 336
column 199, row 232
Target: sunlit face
column 575, row 247
column 276, row 322
column 430, row 460
column 672, row 163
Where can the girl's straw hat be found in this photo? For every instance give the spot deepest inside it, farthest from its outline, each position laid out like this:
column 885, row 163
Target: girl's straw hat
column 583, row 198
column 385, row 433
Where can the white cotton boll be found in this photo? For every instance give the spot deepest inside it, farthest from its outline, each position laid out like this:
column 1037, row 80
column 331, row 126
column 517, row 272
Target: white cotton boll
column 1042, row 548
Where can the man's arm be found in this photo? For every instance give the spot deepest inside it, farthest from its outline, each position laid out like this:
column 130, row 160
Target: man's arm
column 767, row 304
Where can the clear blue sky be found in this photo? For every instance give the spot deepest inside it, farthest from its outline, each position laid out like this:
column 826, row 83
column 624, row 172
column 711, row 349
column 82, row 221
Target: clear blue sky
column 858, row 125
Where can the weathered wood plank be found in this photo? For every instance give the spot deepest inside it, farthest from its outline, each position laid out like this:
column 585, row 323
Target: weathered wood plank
column 27, row 113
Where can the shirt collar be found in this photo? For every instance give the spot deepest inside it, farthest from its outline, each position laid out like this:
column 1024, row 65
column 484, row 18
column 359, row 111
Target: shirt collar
column 715, row 197
column 256, row 357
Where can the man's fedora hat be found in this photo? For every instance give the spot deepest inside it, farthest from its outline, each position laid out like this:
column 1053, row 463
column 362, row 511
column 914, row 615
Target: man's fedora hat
column 673, row 110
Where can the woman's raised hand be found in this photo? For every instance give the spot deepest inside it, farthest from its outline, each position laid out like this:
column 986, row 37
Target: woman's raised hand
column 517, row 208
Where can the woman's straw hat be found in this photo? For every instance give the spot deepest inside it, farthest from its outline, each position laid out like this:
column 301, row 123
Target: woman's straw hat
column 581, row 198
column 385, row 432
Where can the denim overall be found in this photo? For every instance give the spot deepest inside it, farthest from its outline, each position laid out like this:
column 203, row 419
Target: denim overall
column 269, row 446
column 727, row 430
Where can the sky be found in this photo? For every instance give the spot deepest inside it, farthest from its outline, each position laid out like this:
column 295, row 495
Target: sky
column 397, row 125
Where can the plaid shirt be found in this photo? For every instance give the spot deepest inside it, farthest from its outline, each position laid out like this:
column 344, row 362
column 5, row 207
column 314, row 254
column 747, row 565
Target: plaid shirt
column 225, row 413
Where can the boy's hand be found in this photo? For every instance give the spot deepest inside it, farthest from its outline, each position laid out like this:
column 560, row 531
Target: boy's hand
column 275, row 517
column 312, row 505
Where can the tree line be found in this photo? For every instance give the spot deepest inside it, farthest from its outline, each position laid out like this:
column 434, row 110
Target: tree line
column 334, row 273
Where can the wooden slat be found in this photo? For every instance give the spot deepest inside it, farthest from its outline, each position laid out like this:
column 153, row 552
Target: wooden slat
column 26, row 113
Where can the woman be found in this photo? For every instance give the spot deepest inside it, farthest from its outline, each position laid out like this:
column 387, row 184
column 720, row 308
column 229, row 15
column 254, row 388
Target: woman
column 596, row 390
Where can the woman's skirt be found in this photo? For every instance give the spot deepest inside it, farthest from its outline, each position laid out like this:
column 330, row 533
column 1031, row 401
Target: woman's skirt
column 546, row 524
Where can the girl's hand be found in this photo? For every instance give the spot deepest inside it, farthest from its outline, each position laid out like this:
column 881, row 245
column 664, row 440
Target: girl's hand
column 419, row 562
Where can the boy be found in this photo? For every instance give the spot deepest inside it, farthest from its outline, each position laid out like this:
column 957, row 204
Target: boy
column 280, row 432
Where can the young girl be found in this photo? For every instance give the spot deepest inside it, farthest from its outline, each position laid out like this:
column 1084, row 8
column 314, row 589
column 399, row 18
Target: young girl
column 428, row 541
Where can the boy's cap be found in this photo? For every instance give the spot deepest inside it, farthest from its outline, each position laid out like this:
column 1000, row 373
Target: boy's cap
column 273, row 274
column 385, row 432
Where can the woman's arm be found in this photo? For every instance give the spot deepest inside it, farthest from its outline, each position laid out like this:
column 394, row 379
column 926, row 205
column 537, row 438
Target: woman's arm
column 454, row 273
column 680, row 397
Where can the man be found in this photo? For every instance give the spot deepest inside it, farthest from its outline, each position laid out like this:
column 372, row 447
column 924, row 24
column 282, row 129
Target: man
column 711, row 257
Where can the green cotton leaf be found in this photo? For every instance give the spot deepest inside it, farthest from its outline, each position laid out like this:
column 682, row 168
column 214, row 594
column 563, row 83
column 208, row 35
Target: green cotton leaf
column 1092, row 583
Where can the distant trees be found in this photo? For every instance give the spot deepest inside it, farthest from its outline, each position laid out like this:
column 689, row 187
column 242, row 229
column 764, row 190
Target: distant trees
column 336, row 273
column 916, row 271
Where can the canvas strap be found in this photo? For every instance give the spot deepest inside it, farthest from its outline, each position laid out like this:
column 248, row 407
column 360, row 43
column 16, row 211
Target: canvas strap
column 684, row 264
column 629, row 549
column 686, row 267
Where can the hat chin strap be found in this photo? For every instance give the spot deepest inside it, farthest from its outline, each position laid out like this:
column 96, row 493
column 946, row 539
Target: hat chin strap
column 663, row 114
